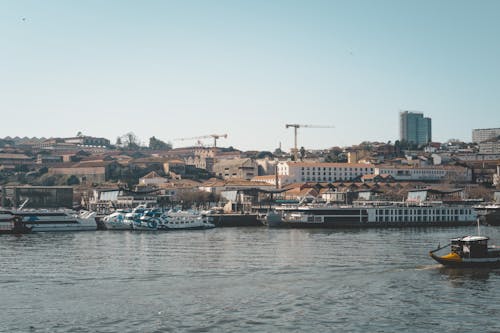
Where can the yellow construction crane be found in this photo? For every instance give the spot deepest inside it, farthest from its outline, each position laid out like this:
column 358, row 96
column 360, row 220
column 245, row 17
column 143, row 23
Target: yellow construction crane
column 295, row 127
column 215, row 136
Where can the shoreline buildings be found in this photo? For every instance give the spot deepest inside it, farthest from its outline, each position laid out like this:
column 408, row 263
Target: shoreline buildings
column 483, row 134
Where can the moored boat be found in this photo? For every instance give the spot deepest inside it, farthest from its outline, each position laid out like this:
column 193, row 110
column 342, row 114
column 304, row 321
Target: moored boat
column 148, row 221
column 373, row 215
column 183, row 220
column 489, row 214
column 12, row 224
column 41, row 220
column 117, row 221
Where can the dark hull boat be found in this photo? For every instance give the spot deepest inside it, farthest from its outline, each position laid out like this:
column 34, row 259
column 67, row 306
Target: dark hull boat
column 469, row 252
column 12, row 224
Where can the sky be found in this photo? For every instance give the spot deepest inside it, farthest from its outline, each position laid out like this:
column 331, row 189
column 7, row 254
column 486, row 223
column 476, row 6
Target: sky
column 178, row 69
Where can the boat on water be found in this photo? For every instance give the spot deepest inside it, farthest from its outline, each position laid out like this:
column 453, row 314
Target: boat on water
column 117, row 221
column 489, row 214
column 467, row 252
column 143, row 218
column 184, row 220
column 11, row 224
column 41, row 220
column 371, row 215
column 149, row 220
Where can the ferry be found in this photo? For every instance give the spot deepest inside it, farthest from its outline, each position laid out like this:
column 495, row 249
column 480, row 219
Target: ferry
column 373, row 215
column 117, row 221
column 489, row 214
column 41, row 220
column 11, row 224
column 183, row 220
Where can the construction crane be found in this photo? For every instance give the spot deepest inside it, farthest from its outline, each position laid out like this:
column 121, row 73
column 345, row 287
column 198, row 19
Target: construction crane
column 214, row 136
column 295, row 127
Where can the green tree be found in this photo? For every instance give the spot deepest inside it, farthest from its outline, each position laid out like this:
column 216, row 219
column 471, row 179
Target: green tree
column 302, row 152
column 130, row 141
column 72, row 180
column 157, row 144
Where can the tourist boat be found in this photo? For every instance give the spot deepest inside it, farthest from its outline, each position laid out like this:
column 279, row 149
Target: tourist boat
column 11, row 224
column 371, row 215
column 148, row 221
column 117, row 221
column 469, row 251
column 489, row 214
column 183, row 220
column 40, row 220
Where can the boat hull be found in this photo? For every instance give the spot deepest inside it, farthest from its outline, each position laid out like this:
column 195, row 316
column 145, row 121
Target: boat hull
column 56, row 227
column 467, row 263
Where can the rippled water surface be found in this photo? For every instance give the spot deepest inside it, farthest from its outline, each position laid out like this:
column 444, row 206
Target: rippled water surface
column 242, row 280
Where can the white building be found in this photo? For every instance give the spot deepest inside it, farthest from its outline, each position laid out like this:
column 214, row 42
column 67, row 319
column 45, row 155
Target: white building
column 489, row 147
column 297, row 172
column 152, row 178
column 240, row 168
column 483, row 134
column 432, row 173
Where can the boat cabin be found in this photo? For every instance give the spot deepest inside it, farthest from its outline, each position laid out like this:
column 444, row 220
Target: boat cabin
column 470, row 246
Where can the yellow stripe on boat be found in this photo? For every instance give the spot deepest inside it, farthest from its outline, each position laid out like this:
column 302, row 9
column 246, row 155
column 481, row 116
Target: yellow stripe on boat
column 452, row 256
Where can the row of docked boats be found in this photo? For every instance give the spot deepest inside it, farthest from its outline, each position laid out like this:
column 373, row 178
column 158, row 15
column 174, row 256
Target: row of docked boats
column 144, row 218
column 141, row 218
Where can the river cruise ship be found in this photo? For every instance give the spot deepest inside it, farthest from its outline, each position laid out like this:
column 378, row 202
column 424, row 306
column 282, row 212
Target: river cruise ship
column 371, row 215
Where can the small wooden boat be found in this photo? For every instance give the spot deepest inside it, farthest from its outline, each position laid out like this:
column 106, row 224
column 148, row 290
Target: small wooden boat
column 469, row 251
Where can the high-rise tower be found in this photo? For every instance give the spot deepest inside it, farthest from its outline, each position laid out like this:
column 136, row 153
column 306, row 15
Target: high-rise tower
column 414, row 128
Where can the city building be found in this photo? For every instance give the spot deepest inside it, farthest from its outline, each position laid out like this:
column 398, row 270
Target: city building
column 39, row 196
column 415, row 128
column 88, row 141
column 297, row 172
column 152, row 178
column 483, row 134
column 489, row 147
column 86, row 172
column 241, row 168
column 428, row 173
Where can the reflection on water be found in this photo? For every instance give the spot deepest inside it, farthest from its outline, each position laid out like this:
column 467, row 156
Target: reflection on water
column 469, row 277
column 242, row 280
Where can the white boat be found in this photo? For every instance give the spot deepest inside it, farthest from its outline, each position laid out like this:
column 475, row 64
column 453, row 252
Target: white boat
column 117, row 221
column 372, row 215
column 183, row 220
column 40, row 220
column 149, row 220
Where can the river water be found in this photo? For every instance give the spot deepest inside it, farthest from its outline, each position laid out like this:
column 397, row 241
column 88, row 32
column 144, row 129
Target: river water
column 243, row 280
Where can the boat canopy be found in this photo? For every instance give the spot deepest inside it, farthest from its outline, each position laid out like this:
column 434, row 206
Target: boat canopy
column 474, row 238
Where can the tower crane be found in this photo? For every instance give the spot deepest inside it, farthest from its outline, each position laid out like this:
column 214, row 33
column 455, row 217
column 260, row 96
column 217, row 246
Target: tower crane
column 214, row 136
column 295, row 127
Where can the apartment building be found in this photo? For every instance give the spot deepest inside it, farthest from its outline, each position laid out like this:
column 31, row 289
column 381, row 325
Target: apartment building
column 296, row 172
column 483, row 134
column 427, row 173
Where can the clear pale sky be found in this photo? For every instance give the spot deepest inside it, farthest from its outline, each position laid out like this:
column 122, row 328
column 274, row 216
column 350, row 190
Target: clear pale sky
column 246, row 68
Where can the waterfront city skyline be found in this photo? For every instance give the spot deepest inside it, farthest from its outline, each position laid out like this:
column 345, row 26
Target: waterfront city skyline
column 182, row 69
